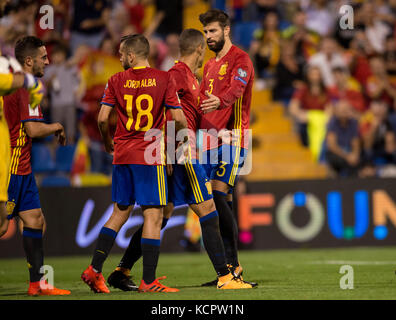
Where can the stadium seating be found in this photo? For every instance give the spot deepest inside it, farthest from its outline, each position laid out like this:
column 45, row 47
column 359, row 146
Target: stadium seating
column 64, row 158
column 279, row 154
column 42, row 160
column 242, row 33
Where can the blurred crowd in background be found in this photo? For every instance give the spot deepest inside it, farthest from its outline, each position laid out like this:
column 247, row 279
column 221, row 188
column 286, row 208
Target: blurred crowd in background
column 337, row 84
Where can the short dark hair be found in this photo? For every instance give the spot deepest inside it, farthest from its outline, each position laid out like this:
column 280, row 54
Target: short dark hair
column 190, row 40
column 27, row 46
column 137, row 43
column 215, row 15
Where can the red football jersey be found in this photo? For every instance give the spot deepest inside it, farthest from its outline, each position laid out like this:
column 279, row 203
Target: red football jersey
column 17, row 110
column 187, row 87
column 140, row 96
column 230, row 79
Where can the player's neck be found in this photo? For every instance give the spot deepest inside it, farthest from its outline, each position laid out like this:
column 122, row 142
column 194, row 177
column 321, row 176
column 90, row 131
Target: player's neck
column 26, row 69
column 141, row 64
column 190, row 61
column 227, row 46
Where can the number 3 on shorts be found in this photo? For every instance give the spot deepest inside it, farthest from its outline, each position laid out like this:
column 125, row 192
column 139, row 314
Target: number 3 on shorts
column 221, row 171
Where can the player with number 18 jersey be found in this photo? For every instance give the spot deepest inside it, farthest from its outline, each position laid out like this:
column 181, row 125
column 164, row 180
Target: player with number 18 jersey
column 140, row 96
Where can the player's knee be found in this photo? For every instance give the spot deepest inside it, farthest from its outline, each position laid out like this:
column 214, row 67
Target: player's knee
column 220, row 186
column 38, row 220
column 153, row 216
column 32, row 219
column 210, row 205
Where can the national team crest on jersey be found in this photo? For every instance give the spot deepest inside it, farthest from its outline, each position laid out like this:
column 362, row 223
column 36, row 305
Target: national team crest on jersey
column 10, row 207
column 223, row 69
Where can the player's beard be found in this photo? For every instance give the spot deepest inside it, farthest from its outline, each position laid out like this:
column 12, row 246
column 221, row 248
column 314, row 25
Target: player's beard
column 38, row 73
column 218, row 45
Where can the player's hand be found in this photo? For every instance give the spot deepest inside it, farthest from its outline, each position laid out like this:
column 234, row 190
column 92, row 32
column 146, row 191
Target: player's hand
column 169, row 169
column 61, row 135
column 352, row 159
column 35, row 88
column 182, row 152
column 210, row 104
column 109, row 146
column 228, row 136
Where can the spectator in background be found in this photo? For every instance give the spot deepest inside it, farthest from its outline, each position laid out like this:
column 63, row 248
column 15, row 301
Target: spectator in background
column 375, row 30
column 320, row 17
column 357, row 58
column 168, row 18
column 347, row 88
column 380, row 86
column 62, row 79
column 237, row 10
column 326, row 59
column 344, row 36
column 18, row 23
column 377, row 135
column 304, row 40
column 311, row 96
column 390, row 55
column 172, row 43
column 342, row 141
column 119, row 20
column 288, row 74
column 89, row 22
column 135, row 10
column 257, row 10
column 95, row 69
column 61, row 31
column 265, row 48
column 158, row 51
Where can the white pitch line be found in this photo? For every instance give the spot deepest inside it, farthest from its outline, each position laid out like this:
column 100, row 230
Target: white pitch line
column 351, row 262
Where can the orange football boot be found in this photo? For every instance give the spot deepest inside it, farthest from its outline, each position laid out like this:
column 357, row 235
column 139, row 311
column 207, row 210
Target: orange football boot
column 36, row 290
column 155, row 286
column 94, row 280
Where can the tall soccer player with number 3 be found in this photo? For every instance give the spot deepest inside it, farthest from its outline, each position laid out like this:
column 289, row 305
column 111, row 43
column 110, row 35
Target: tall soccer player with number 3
column 226, row 91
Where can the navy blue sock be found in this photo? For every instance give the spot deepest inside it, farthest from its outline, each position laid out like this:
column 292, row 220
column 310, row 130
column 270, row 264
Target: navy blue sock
column 150, row 252
column 33, row 245
column 213, row 243
column 134, row 250
column 105, row 243
column 228, row 227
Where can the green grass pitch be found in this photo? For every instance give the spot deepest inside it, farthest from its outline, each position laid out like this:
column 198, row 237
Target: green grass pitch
column 281, row 274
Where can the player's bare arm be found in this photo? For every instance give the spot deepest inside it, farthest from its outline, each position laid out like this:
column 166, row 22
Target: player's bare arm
column 36, row 129
column 179, row 118
column 103, row 124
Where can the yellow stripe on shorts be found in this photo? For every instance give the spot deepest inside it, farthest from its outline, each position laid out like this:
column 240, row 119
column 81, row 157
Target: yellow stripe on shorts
column 238, row 126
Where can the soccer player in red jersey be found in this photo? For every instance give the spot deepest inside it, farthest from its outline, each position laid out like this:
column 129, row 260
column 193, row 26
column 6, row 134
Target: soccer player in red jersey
column 25, row 123
column 226, row 91
column 11, row 78
column 140, row 95
column 188, row 183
